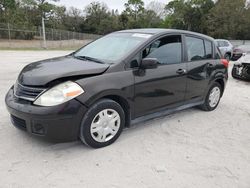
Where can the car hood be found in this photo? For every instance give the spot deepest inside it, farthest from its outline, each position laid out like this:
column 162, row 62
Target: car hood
column 244, row 59
column 42, row 72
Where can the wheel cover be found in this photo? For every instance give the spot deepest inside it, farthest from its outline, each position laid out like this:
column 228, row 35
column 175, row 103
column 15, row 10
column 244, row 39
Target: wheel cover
column 214, row 97
column 105, row 125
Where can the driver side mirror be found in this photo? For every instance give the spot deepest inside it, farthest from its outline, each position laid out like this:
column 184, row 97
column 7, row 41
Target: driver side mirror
column 149, row 63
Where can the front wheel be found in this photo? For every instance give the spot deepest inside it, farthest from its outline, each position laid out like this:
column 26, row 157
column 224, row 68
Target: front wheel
column 213, row 98
column 102, row 124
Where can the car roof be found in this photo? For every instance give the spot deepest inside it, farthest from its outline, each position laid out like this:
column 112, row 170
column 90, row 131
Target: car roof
column 158, row 31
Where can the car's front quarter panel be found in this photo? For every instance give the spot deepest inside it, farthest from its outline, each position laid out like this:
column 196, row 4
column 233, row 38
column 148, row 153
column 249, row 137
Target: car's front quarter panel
column 120, row 84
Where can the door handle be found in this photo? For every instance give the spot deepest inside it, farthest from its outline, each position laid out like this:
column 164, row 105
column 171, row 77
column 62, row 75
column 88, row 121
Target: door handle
column 181, row 71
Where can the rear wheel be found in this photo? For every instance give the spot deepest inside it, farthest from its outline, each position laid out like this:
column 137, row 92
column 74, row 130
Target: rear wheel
column 102, row 124
column 213, row 98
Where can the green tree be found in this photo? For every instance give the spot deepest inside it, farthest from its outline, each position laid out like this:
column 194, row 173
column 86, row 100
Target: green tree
column 134, row 7
column 99, row 19
column 188, row 14
column 7, row 8
column 149, row 19
column 73, row 19
column 158, row 8
column 229, row 19
column 123, row 19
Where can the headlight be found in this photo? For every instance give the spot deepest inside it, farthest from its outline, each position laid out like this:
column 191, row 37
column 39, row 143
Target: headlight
column 59, row 94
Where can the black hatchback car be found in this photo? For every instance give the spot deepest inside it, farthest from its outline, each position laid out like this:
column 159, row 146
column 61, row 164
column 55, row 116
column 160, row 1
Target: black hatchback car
column 118, row 80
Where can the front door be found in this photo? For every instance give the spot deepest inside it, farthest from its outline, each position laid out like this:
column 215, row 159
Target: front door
column 165, row 85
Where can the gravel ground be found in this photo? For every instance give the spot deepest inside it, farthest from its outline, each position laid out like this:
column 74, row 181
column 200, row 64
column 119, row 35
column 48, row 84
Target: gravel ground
column 190, row 149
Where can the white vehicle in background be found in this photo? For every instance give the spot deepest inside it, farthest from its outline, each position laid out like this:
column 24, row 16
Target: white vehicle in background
column 241, row 69
column 225, row 47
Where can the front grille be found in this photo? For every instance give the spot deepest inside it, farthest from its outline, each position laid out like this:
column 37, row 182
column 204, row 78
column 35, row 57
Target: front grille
column 18, row 122
column 27, row 93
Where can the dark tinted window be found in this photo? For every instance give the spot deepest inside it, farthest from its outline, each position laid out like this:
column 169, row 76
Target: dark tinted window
column 167, row 50
column 195, row 49
column 208, row 50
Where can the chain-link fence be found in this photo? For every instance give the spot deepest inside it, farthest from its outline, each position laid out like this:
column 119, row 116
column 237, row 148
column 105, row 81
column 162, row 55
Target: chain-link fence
column 32, row 37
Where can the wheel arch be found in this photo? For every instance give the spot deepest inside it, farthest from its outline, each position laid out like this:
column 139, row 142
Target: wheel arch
column 117, row 97
column 219, row 78
column 124, row 104
column 222, row 84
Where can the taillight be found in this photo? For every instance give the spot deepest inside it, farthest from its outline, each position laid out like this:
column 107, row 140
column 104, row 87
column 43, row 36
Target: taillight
column 225, row 62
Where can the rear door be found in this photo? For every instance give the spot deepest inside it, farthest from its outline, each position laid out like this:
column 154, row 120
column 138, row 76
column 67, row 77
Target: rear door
column 200, row 63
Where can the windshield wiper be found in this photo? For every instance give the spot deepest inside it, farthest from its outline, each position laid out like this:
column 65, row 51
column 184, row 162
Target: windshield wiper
column 90, row 59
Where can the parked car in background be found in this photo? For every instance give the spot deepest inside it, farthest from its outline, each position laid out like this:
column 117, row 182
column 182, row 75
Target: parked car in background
column 225, row 47
column 238, row 51
column 241, row 69
column 120, row 79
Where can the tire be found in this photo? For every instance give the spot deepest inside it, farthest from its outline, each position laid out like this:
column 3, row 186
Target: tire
column 102, row 124
column 234, row 75
column 207, row 106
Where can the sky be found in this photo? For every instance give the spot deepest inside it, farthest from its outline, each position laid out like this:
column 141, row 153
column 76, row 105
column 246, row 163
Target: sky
column 112, row 4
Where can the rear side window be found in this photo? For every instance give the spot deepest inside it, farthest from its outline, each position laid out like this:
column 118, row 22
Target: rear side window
column 199, row 49
column 208, row 50
column 195, row 49
column 167, row 50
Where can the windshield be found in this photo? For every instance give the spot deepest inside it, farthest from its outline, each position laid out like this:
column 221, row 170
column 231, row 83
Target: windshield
column 222, row 43
column 113, row 47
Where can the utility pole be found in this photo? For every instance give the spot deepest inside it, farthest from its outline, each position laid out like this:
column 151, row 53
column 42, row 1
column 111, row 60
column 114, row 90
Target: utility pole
column 9, row 34
column 44, row 33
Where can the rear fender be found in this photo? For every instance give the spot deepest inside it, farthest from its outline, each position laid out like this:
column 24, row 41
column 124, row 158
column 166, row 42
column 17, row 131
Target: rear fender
column 217, row 77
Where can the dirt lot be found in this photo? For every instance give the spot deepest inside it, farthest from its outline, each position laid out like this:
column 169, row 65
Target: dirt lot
column 190, row 149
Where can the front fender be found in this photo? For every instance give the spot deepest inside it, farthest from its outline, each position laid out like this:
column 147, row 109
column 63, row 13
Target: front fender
column 115, row 83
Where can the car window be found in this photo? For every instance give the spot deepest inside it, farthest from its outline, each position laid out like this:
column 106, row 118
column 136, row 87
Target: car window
column 208, row 50
column 219, row 43
column 222, row 43
column 167, row 50
column 195, row 48
column 113, row 47
column 226, row 44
